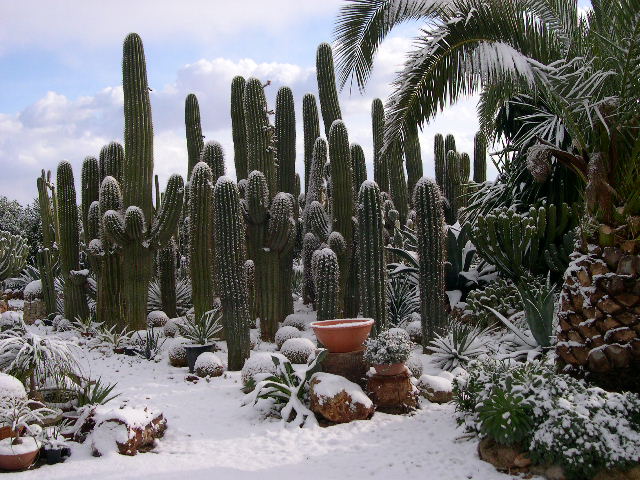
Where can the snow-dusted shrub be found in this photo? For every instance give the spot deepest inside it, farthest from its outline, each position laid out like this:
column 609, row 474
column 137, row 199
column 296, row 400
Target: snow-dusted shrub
column 11, row 387
column 208, row 364
column 501, row 295
column 557, row 418
column 414, row 329
column 390, row 346
column 259, row 366
column 296, row 320
column 63, row 325
column 285, row 333
column 298, row 350
column 156, row 319
column 462, row 343
column 400, row 331
column 33, row 291
column 172, row 327
column 178, row 355
column 11, row 320
column 414, row 364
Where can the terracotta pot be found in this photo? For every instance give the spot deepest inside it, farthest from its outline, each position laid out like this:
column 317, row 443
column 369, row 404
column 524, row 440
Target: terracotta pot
column 343, row 335
column 389, row 369
column 19, row 461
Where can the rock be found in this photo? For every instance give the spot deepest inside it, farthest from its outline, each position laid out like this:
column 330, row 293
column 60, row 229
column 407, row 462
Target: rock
column 503, row 457
column 393, row 393
column 208, row 364
column 337, row 399
column 435, row 389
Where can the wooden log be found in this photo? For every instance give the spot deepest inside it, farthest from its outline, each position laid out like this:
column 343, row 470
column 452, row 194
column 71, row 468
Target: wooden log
column 350, row 365
column 393, row 393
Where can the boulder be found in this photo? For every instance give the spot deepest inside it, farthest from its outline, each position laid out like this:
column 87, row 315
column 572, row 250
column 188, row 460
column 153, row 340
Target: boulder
column 393, row 393
column 338, row 400
column 436, row 389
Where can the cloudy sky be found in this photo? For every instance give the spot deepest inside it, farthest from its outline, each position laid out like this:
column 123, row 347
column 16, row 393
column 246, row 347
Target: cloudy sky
column 61, row 79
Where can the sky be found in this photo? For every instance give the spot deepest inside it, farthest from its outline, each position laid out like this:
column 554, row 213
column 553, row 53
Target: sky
column 60, row 77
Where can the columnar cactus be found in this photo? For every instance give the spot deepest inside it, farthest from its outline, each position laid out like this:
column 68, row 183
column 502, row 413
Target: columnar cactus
column 45, row 268
column 238, row 129
column 49, row 254
column 413, row 157
column 231, row 256
column 111, row 161
column 201, row 235
column 90, row 189
column 427, row 201
column 13, row 254
column 326, row 274
column 359, row 167
column 456, row 180
column 194, row 132
column 449, row 143
column 137, row 230
column 398, row 182
column 310, row 243
column 479, row 158
column 327, row 91
column 311, row 129
column 213, row 155
column 250, row 272
column 380, row 167
column 75, row 300
column 167, row 258
column 372, row 266
column 439, row 159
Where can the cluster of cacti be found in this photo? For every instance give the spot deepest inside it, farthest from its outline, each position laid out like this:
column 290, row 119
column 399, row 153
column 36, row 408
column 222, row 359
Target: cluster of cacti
column 501, row 295
column 48, row 255
column 427, row 201
column 13, row 254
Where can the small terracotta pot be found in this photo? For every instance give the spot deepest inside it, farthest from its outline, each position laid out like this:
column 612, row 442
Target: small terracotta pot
column 19, row 461
column 343, row 335
column 389, row 369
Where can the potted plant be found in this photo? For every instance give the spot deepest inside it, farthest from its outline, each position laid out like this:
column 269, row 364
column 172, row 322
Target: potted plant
column 54, row 446
column 388, row 352
column 344, row 335
column 201, row 332
column 20, row 451
column 118, row 340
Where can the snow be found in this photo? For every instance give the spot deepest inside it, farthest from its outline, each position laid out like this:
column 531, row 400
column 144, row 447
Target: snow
column 29, row 444
column 435, row 383
column 208, row 363
column 10, row 319
column 298, row 350
column 33, row 290
column 260, row 365
column 359, row 323
column 285, row 333
column 328, row 385
column 11, row 387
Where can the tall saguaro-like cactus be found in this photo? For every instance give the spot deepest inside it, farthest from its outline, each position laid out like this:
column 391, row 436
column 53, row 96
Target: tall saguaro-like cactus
column 398, row 182
column 439, row 159
column 194, row 131
column 431, row 247
column 90, row 189
column 327, row 91
column 311, row 129
column 48, row 255
column 75, row 299
column 413, row 157
column 372, row 266
column 480, row 158
column 380, row 167
column 232, row 279
column 238, row 128
column 138, row 230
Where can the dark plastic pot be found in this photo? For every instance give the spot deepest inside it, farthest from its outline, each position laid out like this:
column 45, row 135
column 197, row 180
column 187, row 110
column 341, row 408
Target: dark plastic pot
column 194, row 351
column 56, row 455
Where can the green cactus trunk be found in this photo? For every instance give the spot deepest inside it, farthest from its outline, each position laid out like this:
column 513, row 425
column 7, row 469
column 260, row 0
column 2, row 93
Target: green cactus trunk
column 380, row 168
column 311, row 129
column 359, row 168
column 250, row 272
column 194, row 132
column 431, row 257
column 238, row 128
column 49, row 254
column 231, row 256
column 398, row 183
column 90, row 189
column 326, row 273
column 111, row 161
column 449, row 144
column 413, row 157
column 327, row 91
column 75, row 300
column 479, row 158
column 167, row 278
column 45, row 268
column 439, row 159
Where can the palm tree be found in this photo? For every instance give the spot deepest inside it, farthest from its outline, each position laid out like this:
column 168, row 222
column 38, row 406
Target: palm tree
column 573, row 81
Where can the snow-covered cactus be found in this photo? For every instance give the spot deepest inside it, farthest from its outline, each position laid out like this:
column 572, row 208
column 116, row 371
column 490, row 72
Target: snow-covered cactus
column 431, row 257
column 193, row 131
column 13, row 254
column 213, row 155
column 380, row 168
column 398, row 182
column 413, row 157
column 75, row 300
column 166, row 260
column 439, row 158
column 311, row 129
column 326, row 275
column 327, row 91
column 232, row 280
column 479, row 158
column 372, row 266
column 238, row 129
column 201, row 238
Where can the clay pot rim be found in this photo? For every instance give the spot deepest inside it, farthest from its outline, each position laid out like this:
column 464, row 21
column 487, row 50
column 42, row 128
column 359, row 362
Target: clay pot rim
column 342, row 323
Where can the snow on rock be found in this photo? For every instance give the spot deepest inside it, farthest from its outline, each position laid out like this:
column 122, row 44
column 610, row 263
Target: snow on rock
column 208, row 364
column 11, row 387
column 33, row 290
column 436, row 389
column 285, row 333
column 260, row 366
column 157, row 318
column 337, row 399
column 298, row 350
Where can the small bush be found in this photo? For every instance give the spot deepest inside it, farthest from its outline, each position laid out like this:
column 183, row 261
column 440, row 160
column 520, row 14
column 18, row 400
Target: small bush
column 208, row 364
column 298, row 350
column 391, row 346
column 285, row 333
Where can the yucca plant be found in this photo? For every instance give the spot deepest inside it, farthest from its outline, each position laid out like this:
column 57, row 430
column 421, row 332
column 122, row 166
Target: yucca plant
column 460, row 344
column 403, row 299
column 202, row 330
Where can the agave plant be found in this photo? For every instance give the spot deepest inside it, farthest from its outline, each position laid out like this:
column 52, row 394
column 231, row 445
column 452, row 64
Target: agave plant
column 183, row 296
column 461, row 344
column 403, row 299
column 202, row 330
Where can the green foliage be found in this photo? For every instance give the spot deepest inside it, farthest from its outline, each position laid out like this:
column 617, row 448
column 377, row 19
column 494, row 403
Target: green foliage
column 458, row 344
column 500, row 294
column 13, row 254
column 204, row 329
column 403, row 300
column 92, row 392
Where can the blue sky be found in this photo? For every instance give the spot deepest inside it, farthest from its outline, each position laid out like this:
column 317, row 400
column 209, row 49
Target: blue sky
column 61, row 79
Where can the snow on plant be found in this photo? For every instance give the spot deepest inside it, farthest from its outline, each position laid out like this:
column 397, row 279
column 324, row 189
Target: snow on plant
column 183, row 296
column 113, row 337
column 558, row 419
column 86, row 326
column 92, row 392
column 205, row 329
column 21, row 414
column 151, row 345
column 403, row 299
column 390, row 346
column 29, row 356
column 462, row 343
column 287, row 391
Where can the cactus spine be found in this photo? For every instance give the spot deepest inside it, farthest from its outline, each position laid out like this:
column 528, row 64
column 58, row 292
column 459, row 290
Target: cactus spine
column 326, row 273
column 372, row 266
column 413, row 157
column 193, row 130
column 431, row 247
column 75, row 300
column 238, row 129
column 327, row 91
column 231, row 257
column 479, row 158
column 380, row 169
column 398, row 182
column 167, row 277
column 311, row 129
column 439, row 159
